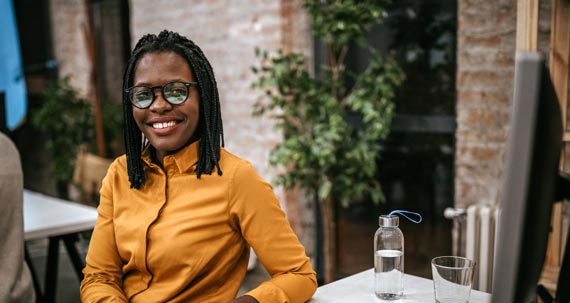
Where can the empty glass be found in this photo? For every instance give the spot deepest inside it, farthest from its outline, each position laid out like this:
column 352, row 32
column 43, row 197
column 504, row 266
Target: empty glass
column 452, row 279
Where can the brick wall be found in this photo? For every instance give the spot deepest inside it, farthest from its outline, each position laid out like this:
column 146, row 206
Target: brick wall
column 68, row 18
column 485, row 57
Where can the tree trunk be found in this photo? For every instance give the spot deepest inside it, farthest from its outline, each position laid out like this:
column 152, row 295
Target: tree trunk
column 329, row 238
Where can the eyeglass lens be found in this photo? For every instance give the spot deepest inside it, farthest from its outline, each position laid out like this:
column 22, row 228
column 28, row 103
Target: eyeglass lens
column 173, row 92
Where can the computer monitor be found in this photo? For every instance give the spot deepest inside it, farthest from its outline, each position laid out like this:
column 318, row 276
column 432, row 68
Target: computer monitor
column 529, row 184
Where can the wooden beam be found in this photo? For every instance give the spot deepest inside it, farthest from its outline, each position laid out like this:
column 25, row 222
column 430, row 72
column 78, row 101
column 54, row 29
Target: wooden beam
column 91, row 36
column 527, row 25
column 553, row 251
column 560, row 54
column 559, row 73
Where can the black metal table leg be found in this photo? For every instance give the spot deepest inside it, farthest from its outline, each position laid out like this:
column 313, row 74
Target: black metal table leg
column 52, row 262
column 69, row 241
column 51, row 270
column 35, row 280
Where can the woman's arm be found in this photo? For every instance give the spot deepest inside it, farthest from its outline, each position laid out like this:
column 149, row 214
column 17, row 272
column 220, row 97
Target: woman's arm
column 265, row 227
column 103, row 274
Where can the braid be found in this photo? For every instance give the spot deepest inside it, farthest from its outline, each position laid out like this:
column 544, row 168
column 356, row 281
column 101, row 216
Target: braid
column 210, row 118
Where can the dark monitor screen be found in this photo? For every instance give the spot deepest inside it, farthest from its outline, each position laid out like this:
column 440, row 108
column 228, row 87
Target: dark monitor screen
column 529, row 181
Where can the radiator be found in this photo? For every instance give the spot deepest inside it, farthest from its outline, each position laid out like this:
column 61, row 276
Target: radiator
column 482, row 223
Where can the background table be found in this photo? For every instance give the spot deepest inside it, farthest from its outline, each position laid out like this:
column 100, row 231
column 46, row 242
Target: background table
column 359, row 288
column 46, row 216
column 58, row 220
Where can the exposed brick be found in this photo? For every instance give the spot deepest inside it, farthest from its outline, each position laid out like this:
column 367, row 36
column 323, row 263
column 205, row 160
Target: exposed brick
column 504, row 60
column 486, row 47
column 483, row 78
column 482, row 118
column 483, row 97
column 482, row 41
column 492, row 136
column 485, row 59
column 467, row 194
column 68, row 19
column 477, row 154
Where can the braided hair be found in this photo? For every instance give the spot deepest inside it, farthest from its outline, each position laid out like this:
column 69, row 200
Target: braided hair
column 210, row 119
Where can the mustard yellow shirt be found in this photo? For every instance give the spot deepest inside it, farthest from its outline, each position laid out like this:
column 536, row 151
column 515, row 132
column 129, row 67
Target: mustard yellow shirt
column 183, row 239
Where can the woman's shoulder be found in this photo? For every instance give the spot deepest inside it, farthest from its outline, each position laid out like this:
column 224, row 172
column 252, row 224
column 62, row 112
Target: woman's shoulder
column 232, row 164
column 120, row 161
column 118, row 164
column 229, row 156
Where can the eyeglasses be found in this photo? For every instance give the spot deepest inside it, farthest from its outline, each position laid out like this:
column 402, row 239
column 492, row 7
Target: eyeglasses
column 175, row 92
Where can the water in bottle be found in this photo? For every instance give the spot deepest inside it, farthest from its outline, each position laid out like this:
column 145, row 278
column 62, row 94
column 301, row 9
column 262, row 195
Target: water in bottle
column 389, row 274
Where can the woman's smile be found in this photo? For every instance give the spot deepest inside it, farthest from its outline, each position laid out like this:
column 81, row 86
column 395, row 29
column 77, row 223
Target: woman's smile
column 163, row 124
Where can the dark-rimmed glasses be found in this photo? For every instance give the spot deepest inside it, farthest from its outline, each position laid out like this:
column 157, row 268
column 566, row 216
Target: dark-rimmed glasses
column 175, row 93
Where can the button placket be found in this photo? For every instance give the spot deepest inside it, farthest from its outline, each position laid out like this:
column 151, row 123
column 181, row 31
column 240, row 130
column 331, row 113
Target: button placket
column 161, row 181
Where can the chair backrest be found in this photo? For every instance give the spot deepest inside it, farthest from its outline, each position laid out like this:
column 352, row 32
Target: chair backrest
column 89, row 172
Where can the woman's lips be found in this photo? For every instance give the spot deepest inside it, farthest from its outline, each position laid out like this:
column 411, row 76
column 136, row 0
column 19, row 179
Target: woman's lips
column 164, row 127
column 161, row 125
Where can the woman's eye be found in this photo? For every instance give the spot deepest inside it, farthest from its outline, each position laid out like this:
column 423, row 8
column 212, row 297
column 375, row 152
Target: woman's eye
column 178, row 92
column 142, row 95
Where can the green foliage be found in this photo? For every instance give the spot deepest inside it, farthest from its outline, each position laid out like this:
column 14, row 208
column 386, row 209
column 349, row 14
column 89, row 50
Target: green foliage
column 332, row 132
column 344, row 22
column 67, row 121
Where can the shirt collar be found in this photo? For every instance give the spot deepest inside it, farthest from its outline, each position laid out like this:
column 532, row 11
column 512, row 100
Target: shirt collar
column 184, row 159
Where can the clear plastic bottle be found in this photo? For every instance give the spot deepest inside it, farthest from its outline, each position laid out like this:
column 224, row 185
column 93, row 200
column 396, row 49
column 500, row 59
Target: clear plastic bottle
column 389, row 259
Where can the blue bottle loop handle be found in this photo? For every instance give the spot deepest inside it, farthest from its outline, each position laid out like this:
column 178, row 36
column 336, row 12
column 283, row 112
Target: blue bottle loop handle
column 404, row 212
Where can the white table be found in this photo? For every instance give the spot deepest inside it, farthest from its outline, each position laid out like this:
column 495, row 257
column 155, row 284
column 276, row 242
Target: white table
column 46, row 216
column 359, row 288
column 58, row 220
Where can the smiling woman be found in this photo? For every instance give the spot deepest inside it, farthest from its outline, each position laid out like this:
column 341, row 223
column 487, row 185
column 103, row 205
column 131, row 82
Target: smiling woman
column 169, row 229
column 167, row 125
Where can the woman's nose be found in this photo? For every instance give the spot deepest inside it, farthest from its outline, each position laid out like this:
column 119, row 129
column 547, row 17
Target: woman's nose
column 159, row 104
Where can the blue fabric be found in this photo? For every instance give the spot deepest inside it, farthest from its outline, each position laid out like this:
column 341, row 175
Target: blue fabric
column 12, row 81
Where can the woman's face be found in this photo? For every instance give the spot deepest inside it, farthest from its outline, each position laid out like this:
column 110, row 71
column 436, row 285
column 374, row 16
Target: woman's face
column 168, row 127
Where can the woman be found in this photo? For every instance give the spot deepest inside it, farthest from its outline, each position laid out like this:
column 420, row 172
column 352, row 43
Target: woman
column 178, row 213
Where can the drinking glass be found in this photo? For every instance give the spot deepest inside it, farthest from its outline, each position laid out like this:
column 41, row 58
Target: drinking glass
column 452, row 279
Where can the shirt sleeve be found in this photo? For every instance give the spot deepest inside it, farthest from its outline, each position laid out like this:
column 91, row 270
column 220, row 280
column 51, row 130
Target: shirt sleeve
column 265, row 227
column 103, row 274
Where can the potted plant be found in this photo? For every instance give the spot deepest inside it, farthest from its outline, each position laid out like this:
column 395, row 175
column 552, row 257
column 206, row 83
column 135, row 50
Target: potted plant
column 332, row 131
column 66, row 119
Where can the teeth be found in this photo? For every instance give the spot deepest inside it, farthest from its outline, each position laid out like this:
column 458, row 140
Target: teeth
column 163, row 124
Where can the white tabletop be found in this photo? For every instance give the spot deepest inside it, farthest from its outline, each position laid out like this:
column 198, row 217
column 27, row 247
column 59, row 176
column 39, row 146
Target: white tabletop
column 359, row 288
column 46, row 216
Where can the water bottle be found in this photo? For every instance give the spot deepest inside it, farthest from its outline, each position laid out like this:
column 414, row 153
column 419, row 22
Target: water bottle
column 389, row 259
